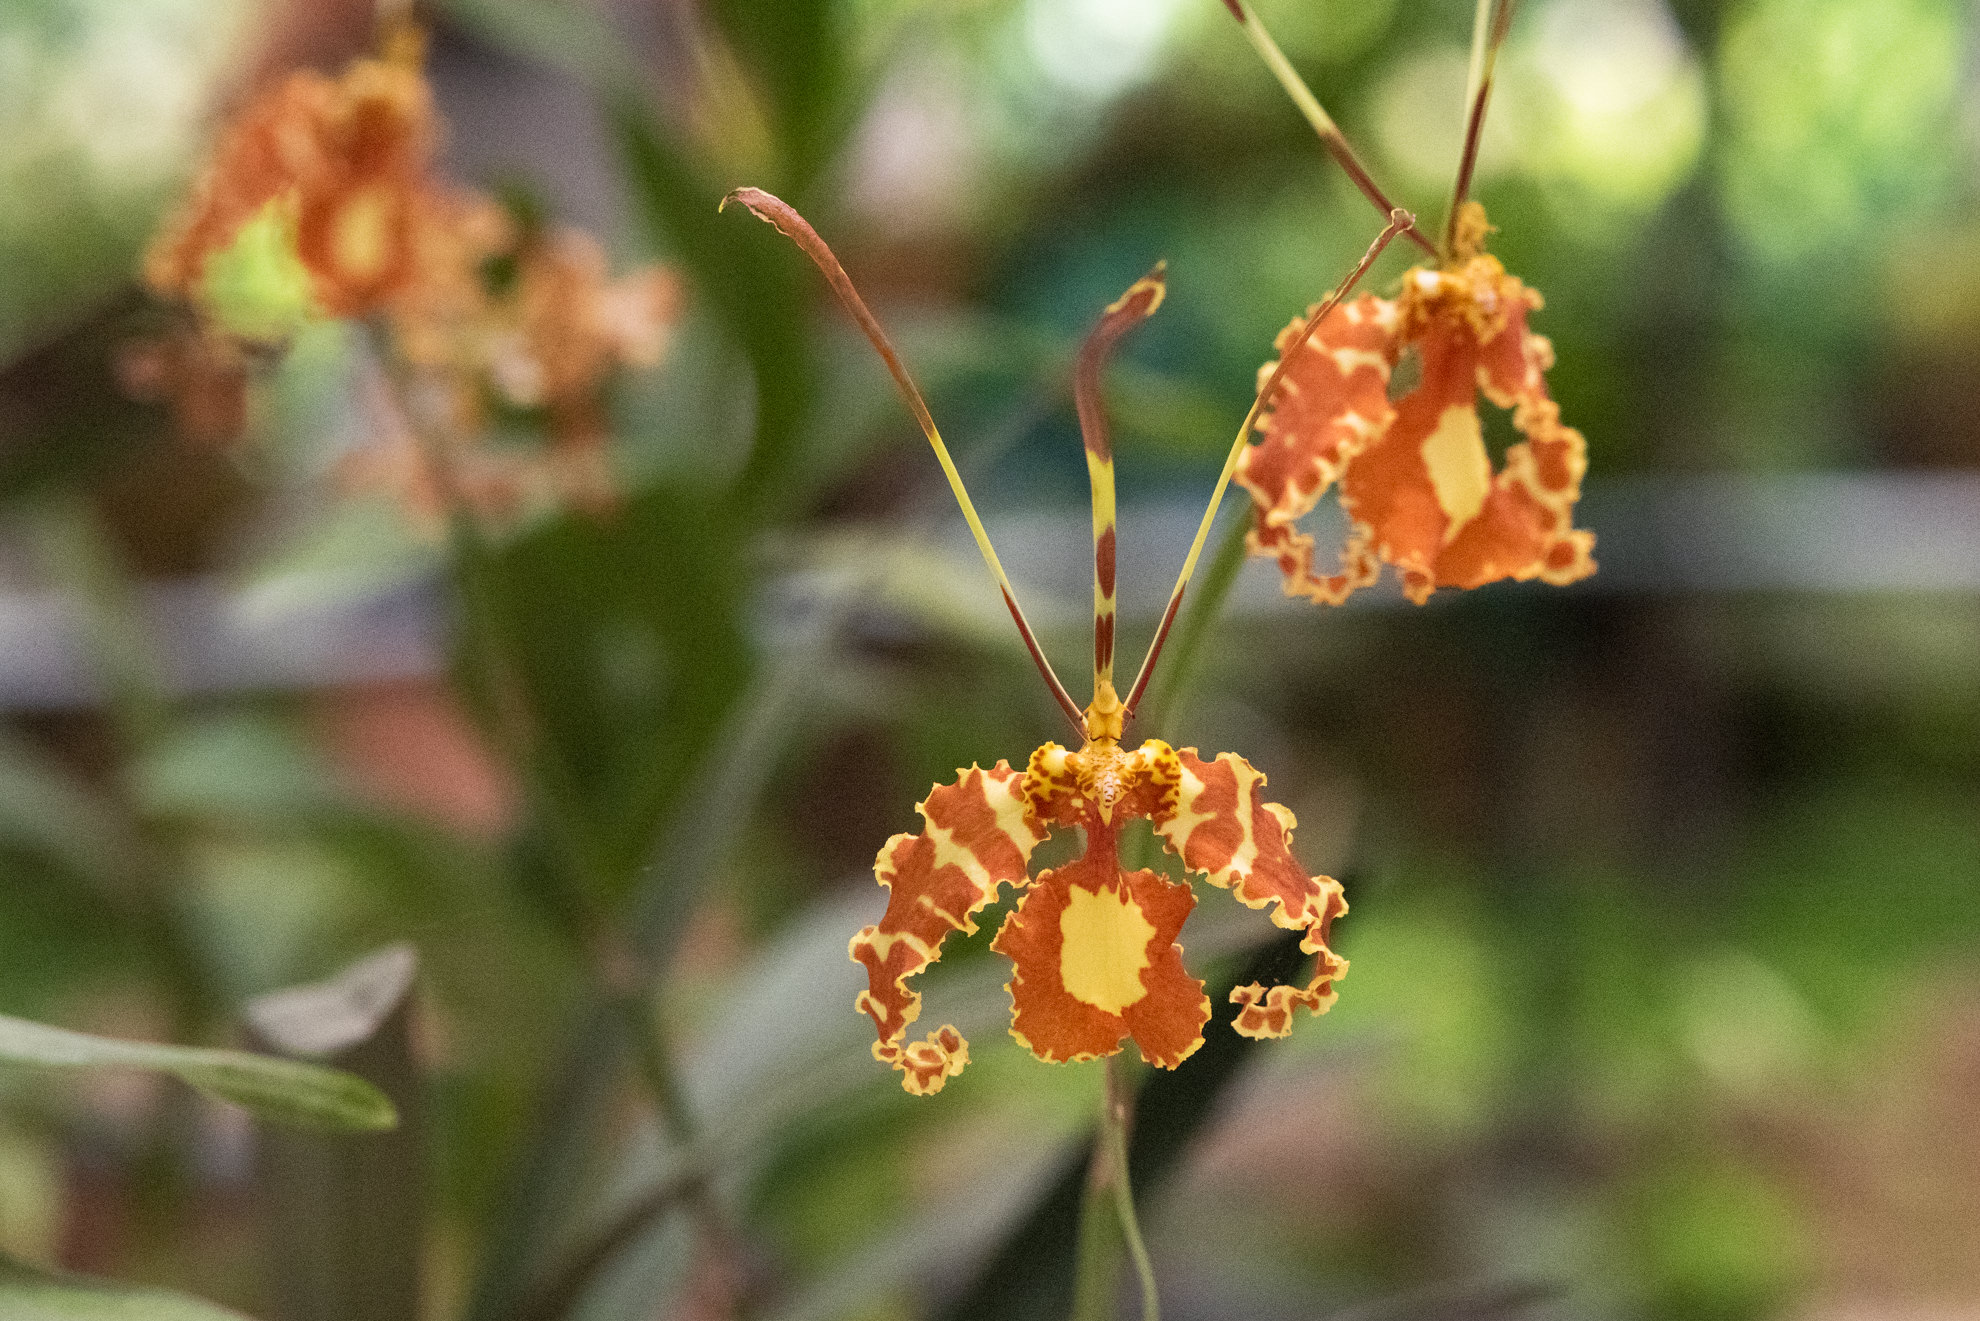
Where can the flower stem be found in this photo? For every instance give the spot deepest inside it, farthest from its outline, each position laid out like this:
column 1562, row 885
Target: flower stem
column 1113, row 1136
column 1193, row 631
column 626, row 983
column 1107, row 1220
column 1316, row 115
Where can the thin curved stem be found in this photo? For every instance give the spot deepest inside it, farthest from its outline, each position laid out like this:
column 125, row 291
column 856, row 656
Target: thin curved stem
column 1488, row 36
column 784, row 218
column 1399, row 221
column 1315, row 114
column 1108, row 1224
column 1113, row 1137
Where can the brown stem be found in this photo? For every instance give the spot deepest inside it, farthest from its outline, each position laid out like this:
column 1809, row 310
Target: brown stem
column 1474, row 125
column 1315, row 114
column 784, row 218
column 1400, row 221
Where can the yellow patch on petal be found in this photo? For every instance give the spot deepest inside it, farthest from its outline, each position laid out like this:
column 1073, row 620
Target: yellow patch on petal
column 1106, row 948
column 1416, row 482
column 361, row 235
column 1460, row 470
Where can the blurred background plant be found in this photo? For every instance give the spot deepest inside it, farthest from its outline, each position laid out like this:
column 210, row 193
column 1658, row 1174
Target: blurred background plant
column 1666, row 887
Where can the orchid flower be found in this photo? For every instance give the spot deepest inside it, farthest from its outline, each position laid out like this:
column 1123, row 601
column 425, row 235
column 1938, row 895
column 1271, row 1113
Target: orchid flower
column 1093, row 946
column 1414, row 474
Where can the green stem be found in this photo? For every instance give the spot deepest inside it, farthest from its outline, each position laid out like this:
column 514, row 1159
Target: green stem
column 1107, row 1223
column 624, row 980
column 1107, row 1217
column 1113, row 1134
column 1185, row 654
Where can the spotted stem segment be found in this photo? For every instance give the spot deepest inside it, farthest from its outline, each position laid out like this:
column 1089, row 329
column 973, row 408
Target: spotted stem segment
column 1141, row 300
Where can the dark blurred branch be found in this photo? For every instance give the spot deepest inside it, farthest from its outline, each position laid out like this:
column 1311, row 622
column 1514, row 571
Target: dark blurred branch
column 559, row 1295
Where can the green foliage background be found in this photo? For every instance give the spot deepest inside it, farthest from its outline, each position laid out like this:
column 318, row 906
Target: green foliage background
column 1666, row 889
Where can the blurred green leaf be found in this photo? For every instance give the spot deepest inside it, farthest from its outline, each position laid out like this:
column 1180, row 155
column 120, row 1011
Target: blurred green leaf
column 47, row 811
column 797, row 50
column 627, row 630
column 759, row 294
column 352, row 550
column 281, row 1090
column 571, row 37
column 27, row 1294
column 239, row 767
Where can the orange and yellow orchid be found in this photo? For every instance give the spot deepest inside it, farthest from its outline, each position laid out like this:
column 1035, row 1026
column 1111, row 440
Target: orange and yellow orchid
column 1093, row 946
column 339, row 177
column 1414, row 475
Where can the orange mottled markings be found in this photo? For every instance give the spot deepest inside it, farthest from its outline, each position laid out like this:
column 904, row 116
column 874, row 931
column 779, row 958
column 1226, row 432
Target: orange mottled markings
column 1086, row 1014
column 979, row 836
column 1332, row 402
column 1094, row 948
column 1224, row 829
column 1415, row 478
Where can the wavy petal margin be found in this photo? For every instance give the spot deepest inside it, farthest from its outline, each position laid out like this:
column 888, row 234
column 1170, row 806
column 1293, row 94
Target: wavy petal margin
column 1223, row 828
column 979, row 836
column 1094, row 960
column 1332, row 402
column 1424, row 492
column 1416, row 479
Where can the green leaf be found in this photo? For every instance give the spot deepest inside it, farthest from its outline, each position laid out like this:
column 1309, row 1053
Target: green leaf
column 797, row 50
column 237, row 767
column 27, row 1294
column 48, row 811
column 285, row 1091
column 632, row 675
column 760, row 296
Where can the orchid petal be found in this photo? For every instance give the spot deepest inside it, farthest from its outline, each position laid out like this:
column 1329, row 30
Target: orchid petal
column 1094, row 959
column 1223, row 828
column 979, row 836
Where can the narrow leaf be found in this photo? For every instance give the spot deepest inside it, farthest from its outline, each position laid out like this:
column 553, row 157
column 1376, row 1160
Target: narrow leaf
column 284, row 1091
column 27, row 1294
